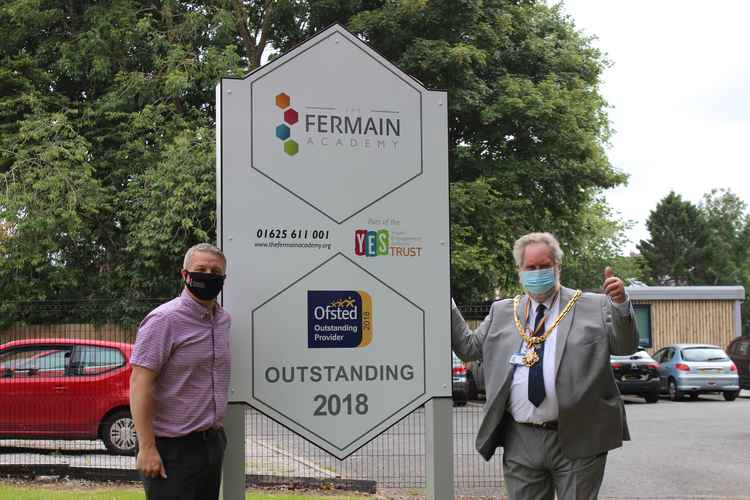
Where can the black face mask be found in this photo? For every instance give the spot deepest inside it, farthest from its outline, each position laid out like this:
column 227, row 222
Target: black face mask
column 205, row 286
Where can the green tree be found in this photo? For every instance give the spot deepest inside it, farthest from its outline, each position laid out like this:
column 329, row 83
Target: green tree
column 632, row 268
column 726, row 215
column 729, row 223
column 107, row 128
column 706, row 244
column 597, row 243
column 703, row 244
column 527, row 124
column 678, row 252
column 99, row 101
column 5, row 234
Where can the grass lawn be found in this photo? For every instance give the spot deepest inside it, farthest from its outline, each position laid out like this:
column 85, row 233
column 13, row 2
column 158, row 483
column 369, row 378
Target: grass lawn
column 47, row 493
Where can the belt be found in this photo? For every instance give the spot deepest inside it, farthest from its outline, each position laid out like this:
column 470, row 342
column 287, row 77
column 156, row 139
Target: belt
column 547, row 426
column 206, row 433
column 203, row 434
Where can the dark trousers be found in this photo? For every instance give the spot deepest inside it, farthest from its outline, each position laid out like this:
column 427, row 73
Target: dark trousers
column 193, row 466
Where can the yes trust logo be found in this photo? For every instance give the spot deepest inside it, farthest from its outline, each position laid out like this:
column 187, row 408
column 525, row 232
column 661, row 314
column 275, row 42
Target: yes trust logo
column 371, row 243
column 290, row 117
column 374, row 243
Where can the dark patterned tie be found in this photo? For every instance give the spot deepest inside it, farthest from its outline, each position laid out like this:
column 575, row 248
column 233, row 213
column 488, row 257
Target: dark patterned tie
column 536, row 372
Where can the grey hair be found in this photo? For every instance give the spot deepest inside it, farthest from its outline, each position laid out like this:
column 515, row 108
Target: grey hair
column 202, row 247
column 529, row 239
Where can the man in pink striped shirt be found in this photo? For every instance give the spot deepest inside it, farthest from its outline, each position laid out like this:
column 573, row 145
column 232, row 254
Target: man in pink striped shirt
column 180, row 384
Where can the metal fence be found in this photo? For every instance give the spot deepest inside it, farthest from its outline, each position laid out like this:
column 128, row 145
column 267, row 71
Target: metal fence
column 49, row 393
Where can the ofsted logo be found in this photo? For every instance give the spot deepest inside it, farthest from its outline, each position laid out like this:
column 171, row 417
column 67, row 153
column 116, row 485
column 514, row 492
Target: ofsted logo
column 338, row 318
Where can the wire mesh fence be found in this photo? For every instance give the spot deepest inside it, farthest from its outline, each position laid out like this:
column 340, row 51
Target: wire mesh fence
column 64, row 376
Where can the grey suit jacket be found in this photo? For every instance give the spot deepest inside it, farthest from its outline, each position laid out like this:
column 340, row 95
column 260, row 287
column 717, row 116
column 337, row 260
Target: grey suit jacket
column 591, row 413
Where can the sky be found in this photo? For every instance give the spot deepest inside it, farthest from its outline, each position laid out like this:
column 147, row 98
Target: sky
column 679, row 88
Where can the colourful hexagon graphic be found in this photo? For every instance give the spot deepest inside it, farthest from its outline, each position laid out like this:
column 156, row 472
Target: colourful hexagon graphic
column 291, row 116
column 283, row 100
column 291, row 147
column 283, row 132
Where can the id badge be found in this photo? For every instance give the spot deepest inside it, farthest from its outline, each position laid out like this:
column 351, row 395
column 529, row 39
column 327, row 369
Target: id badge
column 516, row 359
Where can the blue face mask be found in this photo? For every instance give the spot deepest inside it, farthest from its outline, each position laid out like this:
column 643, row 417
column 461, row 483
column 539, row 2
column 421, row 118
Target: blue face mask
column 538, row 281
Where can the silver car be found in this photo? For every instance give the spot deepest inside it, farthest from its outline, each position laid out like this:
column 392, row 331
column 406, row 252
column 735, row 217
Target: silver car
column 696, row 369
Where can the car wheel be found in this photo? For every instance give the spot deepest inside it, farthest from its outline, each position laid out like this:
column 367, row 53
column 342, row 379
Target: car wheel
column 652, row 397
column 118, row 433
column 731, row 395
column 693, row 396
column 674, row 392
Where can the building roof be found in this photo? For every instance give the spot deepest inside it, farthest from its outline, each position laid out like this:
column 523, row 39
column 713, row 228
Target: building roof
column 686, row 292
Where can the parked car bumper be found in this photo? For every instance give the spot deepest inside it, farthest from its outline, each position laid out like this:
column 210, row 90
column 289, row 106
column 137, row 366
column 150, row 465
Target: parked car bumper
column 708, row 383
column 638, row 386
column 460, row 390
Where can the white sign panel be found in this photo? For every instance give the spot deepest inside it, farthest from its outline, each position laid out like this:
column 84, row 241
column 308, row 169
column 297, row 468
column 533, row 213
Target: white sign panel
column 334, row 217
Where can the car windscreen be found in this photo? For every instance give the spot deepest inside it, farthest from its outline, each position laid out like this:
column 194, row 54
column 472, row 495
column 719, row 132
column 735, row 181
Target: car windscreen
column 703, row 354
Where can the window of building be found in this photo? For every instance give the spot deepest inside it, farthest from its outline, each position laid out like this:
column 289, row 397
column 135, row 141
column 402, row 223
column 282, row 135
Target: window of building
column 643, row 322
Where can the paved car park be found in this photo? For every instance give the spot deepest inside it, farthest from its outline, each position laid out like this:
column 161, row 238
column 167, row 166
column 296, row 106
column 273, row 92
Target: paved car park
column 683, row 449
column 686, row 449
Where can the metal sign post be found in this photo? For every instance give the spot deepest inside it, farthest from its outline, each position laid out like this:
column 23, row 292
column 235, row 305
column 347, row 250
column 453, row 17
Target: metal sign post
column 439, row 449
column 333, row 188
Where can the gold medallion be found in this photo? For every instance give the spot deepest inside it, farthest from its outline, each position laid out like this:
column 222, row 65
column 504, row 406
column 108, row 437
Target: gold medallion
column 533, row 341
column 530, row 358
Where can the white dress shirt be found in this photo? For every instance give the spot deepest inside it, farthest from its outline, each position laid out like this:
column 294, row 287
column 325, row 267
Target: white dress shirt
column 521, row 408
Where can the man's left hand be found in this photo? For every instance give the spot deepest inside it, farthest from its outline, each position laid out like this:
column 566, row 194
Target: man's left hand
column 613, row 286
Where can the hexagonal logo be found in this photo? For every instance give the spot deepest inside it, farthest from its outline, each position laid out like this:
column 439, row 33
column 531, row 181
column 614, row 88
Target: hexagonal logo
column 346, row 358
column 282, row 132
column 282, row 100
column 291, row 147
column 291, row 116
column 364, row 123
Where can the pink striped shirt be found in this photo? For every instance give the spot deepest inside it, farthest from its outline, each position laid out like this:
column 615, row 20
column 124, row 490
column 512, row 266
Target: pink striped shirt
column 189, row 350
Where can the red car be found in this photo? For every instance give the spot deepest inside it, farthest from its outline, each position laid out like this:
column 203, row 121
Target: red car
column 67, row 389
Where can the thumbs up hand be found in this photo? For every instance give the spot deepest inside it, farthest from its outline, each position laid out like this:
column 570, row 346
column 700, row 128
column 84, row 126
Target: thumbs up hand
column 613, row 286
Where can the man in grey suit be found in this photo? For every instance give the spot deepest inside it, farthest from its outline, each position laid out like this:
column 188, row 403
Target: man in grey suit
column 552, row 401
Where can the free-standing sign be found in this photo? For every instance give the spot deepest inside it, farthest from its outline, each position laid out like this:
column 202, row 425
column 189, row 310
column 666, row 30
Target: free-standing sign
column 333, row 214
